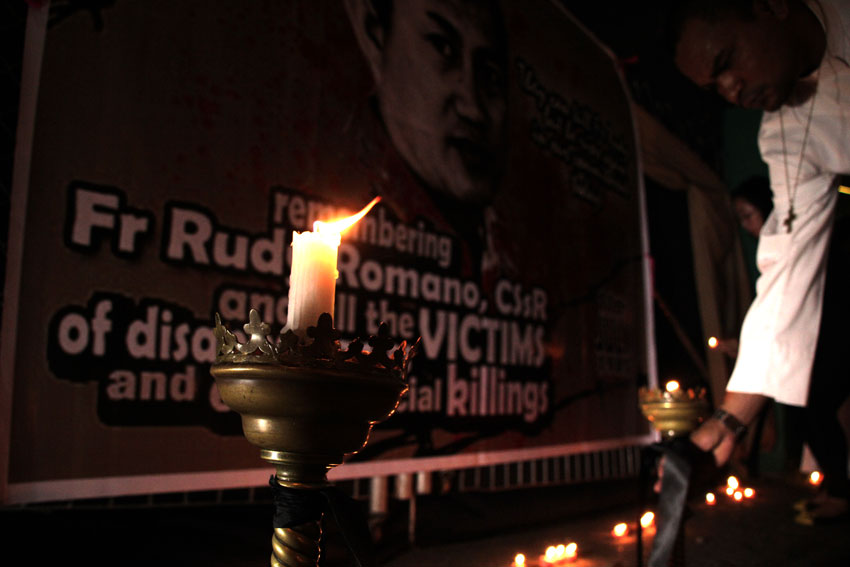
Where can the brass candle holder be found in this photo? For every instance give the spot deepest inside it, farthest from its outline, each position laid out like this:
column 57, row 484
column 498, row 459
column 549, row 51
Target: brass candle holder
column 675, row 413
column 307, row 406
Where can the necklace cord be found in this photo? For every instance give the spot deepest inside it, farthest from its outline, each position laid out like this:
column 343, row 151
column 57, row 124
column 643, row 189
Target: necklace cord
column 790, row 190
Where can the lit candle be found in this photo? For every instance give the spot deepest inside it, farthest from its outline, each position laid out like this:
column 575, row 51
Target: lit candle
column 712, row 342
column 710, row 499
column 749, row 493
column 647, row 519
column 571, row 551
column 519, row 560
column 671, row 386
column 738, row 496
column 732, row 482
column 312, row 279
column 815, row 478
column 620, row 530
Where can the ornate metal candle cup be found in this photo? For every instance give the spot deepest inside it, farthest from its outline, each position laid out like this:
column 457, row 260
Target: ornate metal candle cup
column 307, row 406
column 675, row 413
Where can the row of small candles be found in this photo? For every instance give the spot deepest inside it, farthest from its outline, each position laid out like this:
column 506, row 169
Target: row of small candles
column 563, row 554
column 734, row 490
column 555, row 555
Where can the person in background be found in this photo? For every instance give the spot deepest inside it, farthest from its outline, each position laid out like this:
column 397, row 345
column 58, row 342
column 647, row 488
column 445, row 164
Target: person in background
column 753, row 202
column 790, row 59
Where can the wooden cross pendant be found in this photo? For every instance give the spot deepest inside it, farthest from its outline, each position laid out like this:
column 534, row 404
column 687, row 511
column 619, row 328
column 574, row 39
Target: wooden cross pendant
column 789, row 220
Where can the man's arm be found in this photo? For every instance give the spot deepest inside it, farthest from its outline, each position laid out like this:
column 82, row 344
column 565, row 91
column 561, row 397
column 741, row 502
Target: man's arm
column 779, row 334
column 780, row 331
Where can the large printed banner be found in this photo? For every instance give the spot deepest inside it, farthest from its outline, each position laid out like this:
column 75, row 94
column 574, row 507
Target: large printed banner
column 176, row 147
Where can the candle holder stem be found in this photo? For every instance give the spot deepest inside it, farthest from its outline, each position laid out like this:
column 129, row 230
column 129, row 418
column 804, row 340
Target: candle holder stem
column 296, row 491
column 297, row 547
column 307, row 406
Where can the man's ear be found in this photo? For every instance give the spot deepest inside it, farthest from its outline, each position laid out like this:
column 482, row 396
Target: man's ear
column 777, row 9
column 369, row 32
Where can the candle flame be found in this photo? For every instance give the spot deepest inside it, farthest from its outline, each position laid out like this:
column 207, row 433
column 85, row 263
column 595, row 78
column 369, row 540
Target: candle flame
column 738, row 496
column 620, row 529
column 554, row 555
column 712, row 342
column 341, row 225
column 732, row 482
column 519, row 560
column 672, row 386
column 816, row 477
column 710, row 498
column 647, row 519
column 730, row 491
column 749, row 493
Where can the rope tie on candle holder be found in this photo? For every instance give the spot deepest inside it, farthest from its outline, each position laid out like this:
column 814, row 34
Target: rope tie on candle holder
column 296, row 507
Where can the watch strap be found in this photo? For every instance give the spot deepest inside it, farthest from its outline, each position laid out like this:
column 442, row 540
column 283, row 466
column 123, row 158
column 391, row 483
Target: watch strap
column 731, row 423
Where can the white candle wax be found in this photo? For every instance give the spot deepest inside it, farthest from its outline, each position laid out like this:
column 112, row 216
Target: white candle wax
column 312, row 280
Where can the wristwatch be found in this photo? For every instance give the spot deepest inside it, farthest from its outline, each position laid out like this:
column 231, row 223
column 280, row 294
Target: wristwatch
column 731, row 423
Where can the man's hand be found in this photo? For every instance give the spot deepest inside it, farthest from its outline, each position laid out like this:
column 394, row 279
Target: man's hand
column 713, row 436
